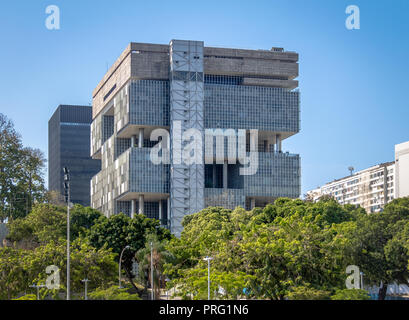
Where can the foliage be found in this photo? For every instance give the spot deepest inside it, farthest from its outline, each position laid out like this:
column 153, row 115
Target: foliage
column 223, row 285
column 377, row 244
column 22, row 268
column 86, row 262
column 112, row 293
column 118, row 231
column 351, row 294
column 285, row 247
column 47, row 222
column 43, row 231
column 82, row 219
column 21, row 173
column 307, row 293
column 27, row 297
column 13, row 276
column 291, row 249
column 159, row 256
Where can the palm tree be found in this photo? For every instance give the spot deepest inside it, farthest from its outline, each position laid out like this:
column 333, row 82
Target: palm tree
column 159, row 257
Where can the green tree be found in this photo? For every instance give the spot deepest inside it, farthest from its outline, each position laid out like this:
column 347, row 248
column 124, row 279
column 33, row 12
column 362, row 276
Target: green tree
column 97, row 265
column 82, row 220
column 10, row 146
column 31, row 182
column 350, row 294
column 193, row 283
column 118, row 231
column 113, row 293
column 13, row 276
column 376, row 243
column 47, row 222
column 284, row 246
column 159, row 256
column 306, row 292
column 21, row 173
column 22, row 268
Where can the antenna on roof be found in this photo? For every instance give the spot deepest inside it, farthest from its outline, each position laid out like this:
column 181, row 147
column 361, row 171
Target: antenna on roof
column 351, row 170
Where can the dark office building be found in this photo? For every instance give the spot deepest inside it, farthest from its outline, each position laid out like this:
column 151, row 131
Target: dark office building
column 69, row 146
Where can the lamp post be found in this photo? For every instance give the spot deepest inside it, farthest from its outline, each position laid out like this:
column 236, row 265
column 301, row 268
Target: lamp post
column 152, row 286
column 120, row 260
column 152, row 295
column 38, row 289
column 207, row 258
column 86, row 287
column 362, row 280
column 67, row 198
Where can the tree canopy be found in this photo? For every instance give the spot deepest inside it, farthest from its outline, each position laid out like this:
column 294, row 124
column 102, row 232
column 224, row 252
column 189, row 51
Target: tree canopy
column 21, row 173
column 289, row 249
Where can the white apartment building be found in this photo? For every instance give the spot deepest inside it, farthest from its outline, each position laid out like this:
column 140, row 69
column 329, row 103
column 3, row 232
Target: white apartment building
column 373, row 187
column 402, row 169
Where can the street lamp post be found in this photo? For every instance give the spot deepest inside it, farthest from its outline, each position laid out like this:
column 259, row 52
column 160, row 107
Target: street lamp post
column 362, row 280
column 120, row 260
column 208, row 275
column 152, row 295
column 67, row 197
column 38, row 289
column 152, row 285
column 86, row 287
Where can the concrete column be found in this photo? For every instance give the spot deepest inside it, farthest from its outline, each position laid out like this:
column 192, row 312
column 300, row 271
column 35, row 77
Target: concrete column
column 140, row 138
column 252, row 203
column 225, row 178
column 278, row 141
column 272, row 149
column 133, row 141
column 160, row 212
column 133, row 208
column 141, row 204
column 214, row 176
column 265, row 145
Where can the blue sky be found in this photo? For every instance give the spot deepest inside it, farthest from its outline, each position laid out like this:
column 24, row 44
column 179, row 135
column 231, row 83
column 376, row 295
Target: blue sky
column 353, row 83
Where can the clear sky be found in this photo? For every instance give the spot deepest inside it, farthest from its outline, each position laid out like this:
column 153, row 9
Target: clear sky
column 353, row 83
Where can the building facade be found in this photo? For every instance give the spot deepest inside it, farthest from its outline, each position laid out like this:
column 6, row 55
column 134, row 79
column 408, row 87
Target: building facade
column 186, row 88
column 371, row 188
column 69, row 146
column 402, row 169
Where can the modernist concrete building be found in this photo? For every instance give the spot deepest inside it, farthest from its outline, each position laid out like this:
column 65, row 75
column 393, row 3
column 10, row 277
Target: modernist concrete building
column 183, row 86
column 371, row 188
column 69, row 146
